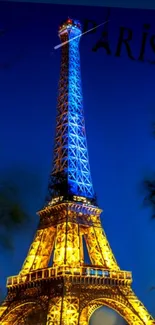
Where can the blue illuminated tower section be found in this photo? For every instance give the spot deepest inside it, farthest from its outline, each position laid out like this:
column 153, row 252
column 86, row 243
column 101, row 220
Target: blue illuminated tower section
column 71, row 170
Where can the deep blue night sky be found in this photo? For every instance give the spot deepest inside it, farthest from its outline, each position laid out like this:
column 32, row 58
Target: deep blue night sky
column 119, row 104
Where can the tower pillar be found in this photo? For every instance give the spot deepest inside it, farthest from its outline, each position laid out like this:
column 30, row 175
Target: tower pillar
column 63, row 311
column 67, row 244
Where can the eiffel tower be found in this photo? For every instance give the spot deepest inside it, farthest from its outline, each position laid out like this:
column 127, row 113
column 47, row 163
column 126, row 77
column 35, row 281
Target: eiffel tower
column 55, row 286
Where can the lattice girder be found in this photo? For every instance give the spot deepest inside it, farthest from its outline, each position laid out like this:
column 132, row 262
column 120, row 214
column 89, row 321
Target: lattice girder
column 40, row 250
column 98, row 247
column 64, row 236
column 73, row 304
column 67, row 246
column 16, row 313
column 63, row 311
column 70, row 151
column 128, row 306
column 68, row 223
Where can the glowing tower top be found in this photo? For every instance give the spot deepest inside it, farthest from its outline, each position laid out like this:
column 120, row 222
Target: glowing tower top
column 71, row 171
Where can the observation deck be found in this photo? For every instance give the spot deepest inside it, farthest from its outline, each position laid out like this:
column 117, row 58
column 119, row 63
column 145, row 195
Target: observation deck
column 82, row 275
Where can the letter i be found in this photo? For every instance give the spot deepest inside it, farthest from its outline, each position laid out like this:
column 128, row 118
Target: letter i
column 144, row 38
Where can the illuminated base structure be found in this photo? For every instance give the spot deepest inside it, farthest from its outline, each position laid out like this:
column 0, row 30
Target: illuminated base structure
column 55, row 286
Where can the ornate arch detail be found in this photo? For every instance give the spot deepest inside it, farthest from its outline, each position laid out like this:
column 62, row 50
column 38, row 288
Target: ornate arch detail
column 91, row 300
column 16, row 308
column 118, row 305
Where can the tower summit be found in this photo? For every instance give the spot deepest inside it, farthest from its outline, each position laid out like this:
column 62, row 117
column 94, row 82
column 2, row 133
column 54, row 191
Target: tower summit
column 71, row 170
column 55, row 286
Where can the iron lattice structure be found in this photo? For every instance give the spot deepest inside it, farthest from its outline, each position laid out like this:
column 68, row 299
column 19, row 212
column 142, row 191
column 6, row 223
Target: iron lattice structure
column 55, row 286
column 70, row 162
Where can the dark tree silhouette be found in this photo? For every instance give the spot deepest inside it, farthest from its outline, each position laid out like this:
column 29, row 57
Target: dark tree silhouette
column 149, row 189
column 19, row 187
column 12, row 214
column 149, row 199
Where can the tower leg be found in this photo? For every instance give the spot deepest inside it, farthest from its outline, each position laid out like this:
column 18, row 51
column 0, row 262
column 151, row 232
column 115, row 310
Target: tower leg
column 84, row 318
column 63, row 311
column 67, row 245
column 40, row 251
column 99, row 249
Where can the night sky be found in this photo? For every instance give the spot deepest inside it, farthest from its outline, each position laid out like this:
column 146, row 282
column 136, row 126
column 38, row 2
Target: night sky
column 119, row 105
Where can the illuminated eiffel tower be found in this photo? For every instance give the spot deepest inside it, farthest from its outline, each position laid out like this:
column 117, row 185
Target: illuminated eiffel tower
column 55, row 286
